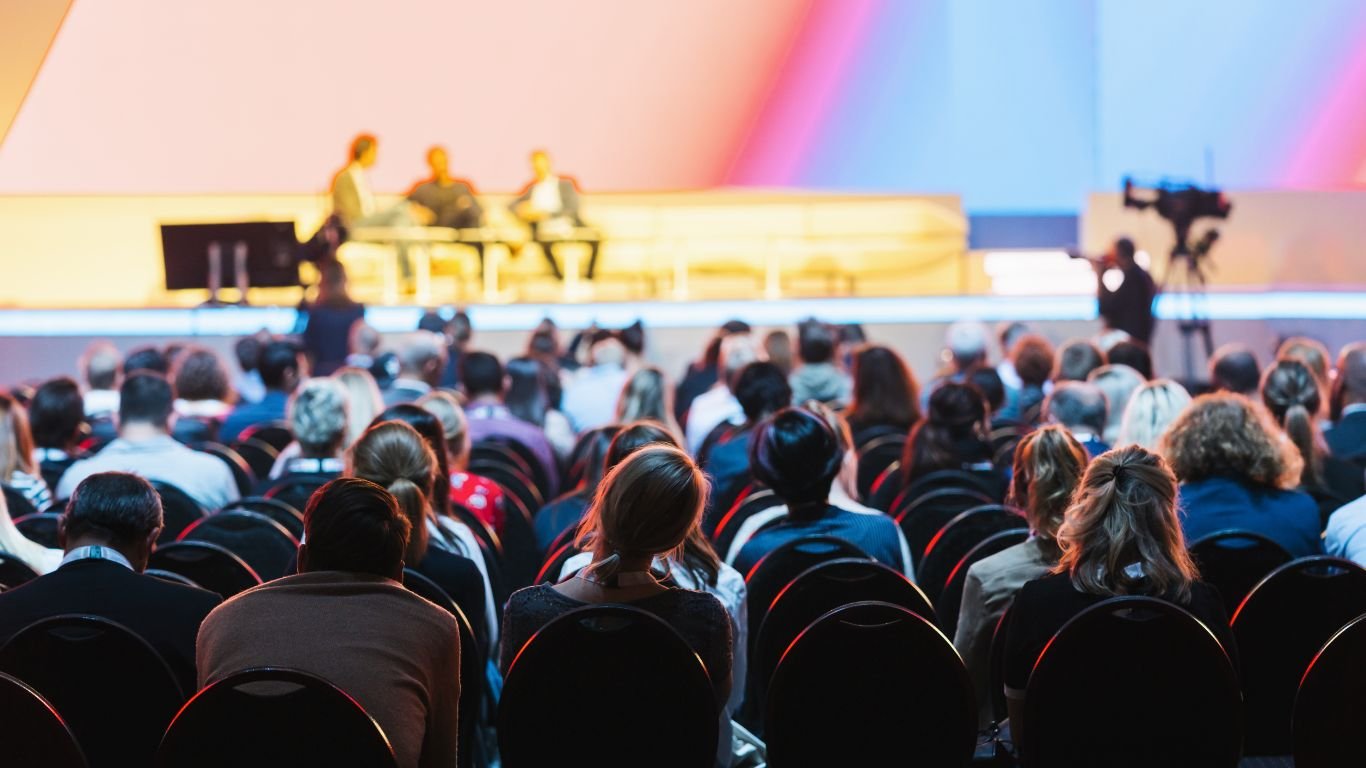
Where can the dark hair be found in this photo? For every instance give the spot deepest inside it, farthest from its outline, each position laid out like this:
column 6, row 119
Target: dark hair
column 362, row 144
column 598, row 444
column 146, row 359
column 1350, row 385
column 1290, row 391
column 815, row 341
column 1076, row 359
column 986, row 379
column 120, row 505
column 481, row 374
column 778, row 346
column 56, row 413
column 527, row 395
column 394, row 455
column 145, row 397
column 200, row 375
column 1077, row 404
column 354, row 525
column 954, row 421
column 248, row 352
column 278, row 358
column 761, row 389
column 1134, row 354
column 434, row 434
column 1124, row 249
column 712, row 356
column 797, row 455
column 632, row 337
column 885, row 390
column 632, row 438
column 1033, row 359
column 1234, row 369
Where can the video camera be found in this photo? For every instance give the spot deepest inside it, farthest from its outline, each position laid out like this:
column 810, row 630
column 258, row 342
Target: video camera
column 1181, row 204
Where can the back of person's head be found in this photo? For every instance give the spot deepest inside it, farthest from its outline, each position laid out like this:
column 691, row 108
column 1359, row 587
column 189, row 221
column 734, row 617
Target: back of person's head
column 481, row 374
column 1077, row 405
column 1225, row 435
column 1124, row 250
column 57, row 414
column 354, row 525
column 454, row 424
column 632, row 338
column 433, row 432
column 362, row 144
column 885, row 390
column 461, row 330
column 1152, row 408
column 762, row 389
column 797, row 455
column 394, row 456
column 317, row 417
column 248, row 353
column 647, row 505
column 1349, row 387
column 1049, row 463
column 1291, row 393
column 1132, row 353
column 117, row 509
column 422, row 355
column 199, row 374
column 1234, row 369
column 1118, row 383
column 1121, row 535
column 363, row 400
column 966, row 343
column 1033, row 358
column 956, row 417
column 989, row 383
column 363, row 339
column 100, row 365
column 645, row 396
column 815, row 341
column 16, row 440
column 147, row 359
column 280, row 366
column 778, row 350
column 608, row 352
column 597, row 445
column 145, row 398
column 1311, row 352
column 737, row 351
column 527, row 396
column 1009, row 332
column 1076, row 359
column 711, row 355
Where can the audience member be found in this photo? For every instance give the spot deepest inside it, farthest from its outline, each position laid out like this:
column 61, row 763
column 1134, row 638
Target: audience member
column 886, row 396
column 584, row 400
column 719, row 404
column 989, row 383
column 363, row 400
column 1081, row 408
column 481, row 496
column 778, row 350
column 100, row 366
column 646, row 398
column 1234, row 368
column 346, row 618
column 147, row 358
column 1007, row 333
column 57, row 422
column 329, row 320
column 282, row 367
column 18, row 470
column 1120, row 536
column 1312, row 353
column 1291, row 392
column 632, row 339
column 248, row 384
column 1049, row 464
column 705, row 373
column 1151, row 409
column 566, row 511
column 528, row 398
column 146, row 448
column 458, row 332
column 1347, row 437
column 317, row 418
column 1032, row 357
column 108, row 530
column 1132, row 353
column 482, row 377
column 15, row 544
column 1118, row 383
column 203, row 395
column 818, row 377
column 953, row 435
column 363, row 343
column 1237, row 472
column 762, row 391
column 421, row 360
column 1076, row 359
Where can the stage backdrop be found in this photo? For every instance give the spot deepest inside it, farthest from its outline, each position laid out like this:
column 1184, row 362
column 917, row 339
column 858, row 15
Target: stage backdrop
column 1020, row 106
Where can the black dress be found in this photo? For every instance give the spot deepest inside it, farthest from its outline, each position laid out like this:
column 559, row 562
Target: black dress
column 459, row 578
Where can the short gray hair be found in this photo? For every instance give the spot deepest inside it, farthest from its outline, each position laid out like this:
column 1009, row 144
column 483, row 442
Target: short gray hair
column 1118, row 382
column 420, row 349
column 317, row 416
column 100, row 365
column 1076, row 404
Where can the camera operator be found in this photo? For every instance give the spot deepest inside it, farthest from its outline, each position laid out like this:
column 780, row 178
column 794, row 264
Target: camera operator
column 1128, row 306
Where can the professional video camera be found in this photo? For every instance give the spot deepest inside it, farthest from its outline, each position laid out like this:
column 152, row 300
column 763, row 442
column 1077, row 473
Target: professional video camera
column 1182, row 205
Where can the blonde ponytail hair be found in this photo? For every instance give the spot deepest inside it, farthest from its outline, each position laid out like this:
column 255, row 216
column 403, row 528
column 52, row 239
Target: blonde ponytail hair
column 393, row 455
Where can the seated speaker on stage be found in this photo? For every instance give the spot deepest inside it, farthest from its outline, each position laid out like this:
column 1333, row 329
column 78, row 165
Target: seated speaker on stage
column 550, row 206
column 452, row 201
column 354, row 203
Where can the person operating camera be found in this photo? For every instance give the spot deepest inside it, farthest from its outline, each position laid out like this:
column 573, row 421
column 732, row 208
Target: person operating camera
column 1127, row 306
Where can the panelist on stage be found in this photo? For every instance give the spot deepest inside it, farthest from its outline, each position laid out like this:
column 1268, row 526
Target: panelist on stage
column 550, row 206
column 452, row 201
column 354, row 203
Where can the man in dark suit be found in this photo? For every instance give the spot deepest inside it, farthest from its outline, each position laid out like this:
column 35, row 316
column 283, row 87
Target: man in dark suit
column 550, row 206
column 1347, row 438
column 108, row 531
column 1128, row 306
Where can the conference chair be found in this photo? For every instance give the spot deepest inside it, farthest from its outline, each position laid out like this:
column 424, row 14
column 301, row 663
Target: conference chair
column 957, row 537
column 296, row 489
column 14, row 571
column 521, row 457
column 1330, row 708
column 241, row 471
column 211, row 566
column 635, row 695
column 1234, row 561
column 258, row 454
column 1281, row 624
column 747, row 506
column 178, row 511
column 40, row 528
column 870, row 683
column 1130, row 682
column 875, row 456
column 263, row 544
column 921, row 517
column 815, row 592
column 282, row 512
column 950, row 600
column 578, row 457
column 114, row 690
column 31, row 730
column 988, row 482
column 472, row 661
column 885, row 488
column 276, row 434
column 17, row 502
column 775, row 570
column 273, row 717
column 554, row 563
column 174, row 578
column 997, row 667
column 521, row 557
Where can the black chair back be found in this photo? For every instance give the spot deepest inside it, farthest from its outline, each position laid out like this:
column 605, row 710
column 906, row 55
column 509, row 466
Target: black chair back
column 523, row 459
column 241, row 471
column 548, row 706
column 1286, row 619
column 209, row 565
column 875, row 456
column 1329, row 705
column 262, row 543
column 472, row 659
column 997, row 668
column 812, row 594
column 554, row 563
column 32, row 731
column 744, row 508
column 986, row 482
column 40, row 528
column 885, row 488
column 296, row 489
column 17, row 502
column 870, row 684
column 14, row 571
column 276, row 434
column 774, row 571
column 1132, row 681
column 957, row 537
column 178, row 511
column 258, row 454
column 922, row 517
column 174, row 578
column 273, row 717
column 521, row 556
column 1234, row 561
column 113, row 689
column 950, row 601
column 290, row 517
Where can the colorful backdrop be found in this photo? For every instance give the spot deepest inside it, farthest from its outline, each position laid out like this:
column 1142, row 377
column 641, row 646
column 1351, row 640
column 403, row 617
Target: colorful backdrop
column 1019, row 106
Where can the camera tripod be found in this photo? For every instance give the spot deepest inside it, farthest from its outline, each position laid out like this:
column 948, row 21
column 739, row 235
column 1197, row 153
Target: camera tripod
column 1184, row 281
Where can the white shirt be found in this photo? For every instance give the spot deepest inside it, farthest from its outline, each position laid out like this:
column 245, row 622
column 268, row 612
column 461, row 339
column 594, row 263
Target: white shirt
column 97, row 552
column 205, row 478
column 545, row 196
column 708, row 410
column 99, row 402
column 1345, row 535
column 591, row 401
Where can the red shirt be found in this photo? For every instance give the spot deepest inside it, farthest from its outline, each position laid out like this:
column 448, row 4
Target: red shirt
column 479, row 495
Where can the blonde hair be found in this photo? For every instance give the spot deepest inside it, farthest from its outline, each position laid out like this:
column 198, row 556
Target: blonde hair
column 454, row 424
column 1124, row 513
column 1152, row 408
column 1048, row 466
column 646, row 397
column 16, row 441
column 1226, row 435
column 363, row 400
column 393, row 455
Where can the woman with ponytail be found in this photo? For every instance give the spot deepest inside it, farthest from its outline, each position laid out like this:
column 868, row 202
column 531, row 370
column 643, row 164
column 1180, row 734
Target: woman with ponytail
column 1119, row 536
column 1291, row 392
column 953, row 435
column 395, row 457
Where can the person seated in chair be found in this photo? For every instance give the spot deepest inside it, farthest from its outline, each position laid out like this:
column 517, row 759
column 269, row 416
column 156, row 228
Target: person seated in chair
column 952, row 436
column 1347, row 437
column 452, row 201
column 421, row 360
column 108, row 530
column 203, row 395
column 549, row 205
column 282, row 367
column 346, row 617
column 762, row 391
column 1082, row 409
column 488, row 416
column 318, row 417
column 56, row 416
